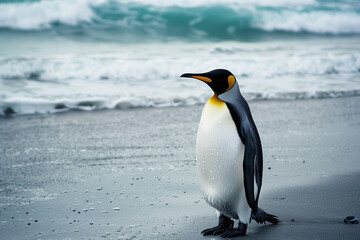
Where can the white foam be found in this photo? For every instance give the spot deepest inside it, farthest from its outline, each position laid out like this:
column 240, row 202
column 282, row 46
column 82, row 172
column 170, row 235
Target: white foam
column 191, row 3
column 147, row 75
column 291, row 15
column 315, row 21
column 40, row 15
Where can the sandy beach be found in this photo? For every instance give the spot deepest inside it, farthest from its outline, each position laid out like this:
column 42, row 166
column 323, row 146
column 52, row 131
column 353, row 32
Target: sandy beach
column 131, row 174
column 98, row 129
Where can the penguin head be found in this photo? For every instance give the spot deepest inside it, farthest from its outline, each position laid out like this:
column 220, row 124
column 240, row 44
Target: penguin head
column 219, row 80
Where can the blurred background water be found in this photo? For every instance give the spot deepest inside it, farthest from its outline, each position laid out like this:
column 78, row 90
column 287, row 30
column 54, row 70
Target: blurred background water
column 93, row 54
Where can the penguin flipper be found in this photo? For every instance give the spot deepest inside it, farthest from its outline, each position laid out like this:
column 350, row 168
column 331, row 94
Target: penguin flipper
column 253, row 159
column 249, row 172
column 246, row 128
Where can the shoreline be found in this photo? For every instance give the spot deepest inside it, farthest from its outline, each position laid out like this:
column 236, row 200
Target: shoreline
column 94, row 105
column 131, row 174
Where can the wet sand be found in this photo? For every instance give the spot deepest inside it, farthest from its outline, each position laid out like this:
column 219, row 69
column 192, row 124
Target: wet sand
column 131, row 174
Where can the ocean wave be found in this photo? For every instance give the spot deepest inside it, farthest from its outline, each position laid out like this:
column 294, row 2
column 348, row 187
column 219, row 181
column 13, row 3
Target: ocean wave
column 27, row 106
column 192, row 3
column 137, row 20
column 301, row 95
column 267, row 62
column 45, row 14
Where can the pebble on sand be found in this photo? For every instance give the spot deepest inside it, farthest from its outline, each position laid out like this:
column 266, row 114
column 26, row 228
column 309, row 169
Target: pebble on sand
column 351, row 220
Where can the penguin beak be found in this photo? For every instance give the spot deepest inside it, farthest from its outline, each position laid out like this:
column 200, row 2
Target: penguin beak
column 198, row 76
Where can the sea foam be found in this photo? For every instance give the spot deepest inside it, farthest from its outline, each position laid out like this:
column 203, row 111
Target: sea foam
column 147, row 75
column 42, row 14
column 215, row 19
column 65, row 55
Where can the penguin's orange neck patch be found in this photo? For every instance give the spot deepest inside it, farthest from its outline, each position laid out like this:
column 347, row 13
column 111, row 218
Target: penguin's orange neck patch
column 214, row 100
column 231, row 82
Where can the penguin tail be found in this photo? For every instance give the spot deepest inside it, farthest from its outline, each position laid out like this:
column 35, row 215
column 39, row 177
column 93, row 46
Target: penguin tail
column 260, row 216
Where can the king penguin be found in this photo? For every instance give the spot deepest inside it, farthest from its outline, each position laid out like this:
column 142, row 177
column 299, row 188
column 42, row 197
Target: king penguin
column 229, row 156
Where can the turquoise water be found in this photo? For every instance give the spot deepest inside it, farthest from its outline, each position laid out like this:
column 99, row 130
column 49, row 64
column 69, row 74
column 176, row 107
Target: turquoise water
column 92, row 54
column 125, row 21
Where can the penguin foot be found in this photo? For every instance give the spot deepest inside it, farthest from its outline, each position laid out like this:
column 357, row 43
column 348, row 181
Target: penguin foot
column 260, row 216
column 214, row 231
column 240, row 231
column 225, row 224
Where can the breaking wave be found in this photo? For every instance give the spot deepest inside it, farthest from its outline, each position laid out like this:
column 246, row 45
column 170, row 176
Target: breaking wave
column 17, row 107
column 121, row 21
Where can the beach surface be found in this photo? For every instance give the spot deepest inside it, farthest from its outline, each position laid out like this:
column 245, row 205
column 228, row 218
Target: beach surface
column 131, row 174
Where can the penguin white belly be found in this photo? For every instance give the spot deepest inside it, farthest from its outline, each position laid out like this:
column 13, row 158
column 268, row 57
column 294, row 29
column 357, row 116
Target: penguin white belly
column 219, row 153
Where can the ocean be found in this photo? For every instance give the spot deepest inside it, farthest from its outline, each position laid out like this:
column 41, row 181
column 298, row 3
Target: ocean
column 63, row 55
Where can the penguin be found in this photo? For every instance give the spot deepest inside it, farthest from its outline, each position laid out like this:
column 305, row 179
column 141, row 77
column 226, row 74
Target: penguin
column 229, row 156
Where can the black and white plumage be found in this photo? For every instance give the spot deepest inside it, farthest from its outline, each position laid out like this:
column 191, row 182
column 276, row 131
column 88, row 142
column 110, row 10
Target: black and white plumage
column 229, row 155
